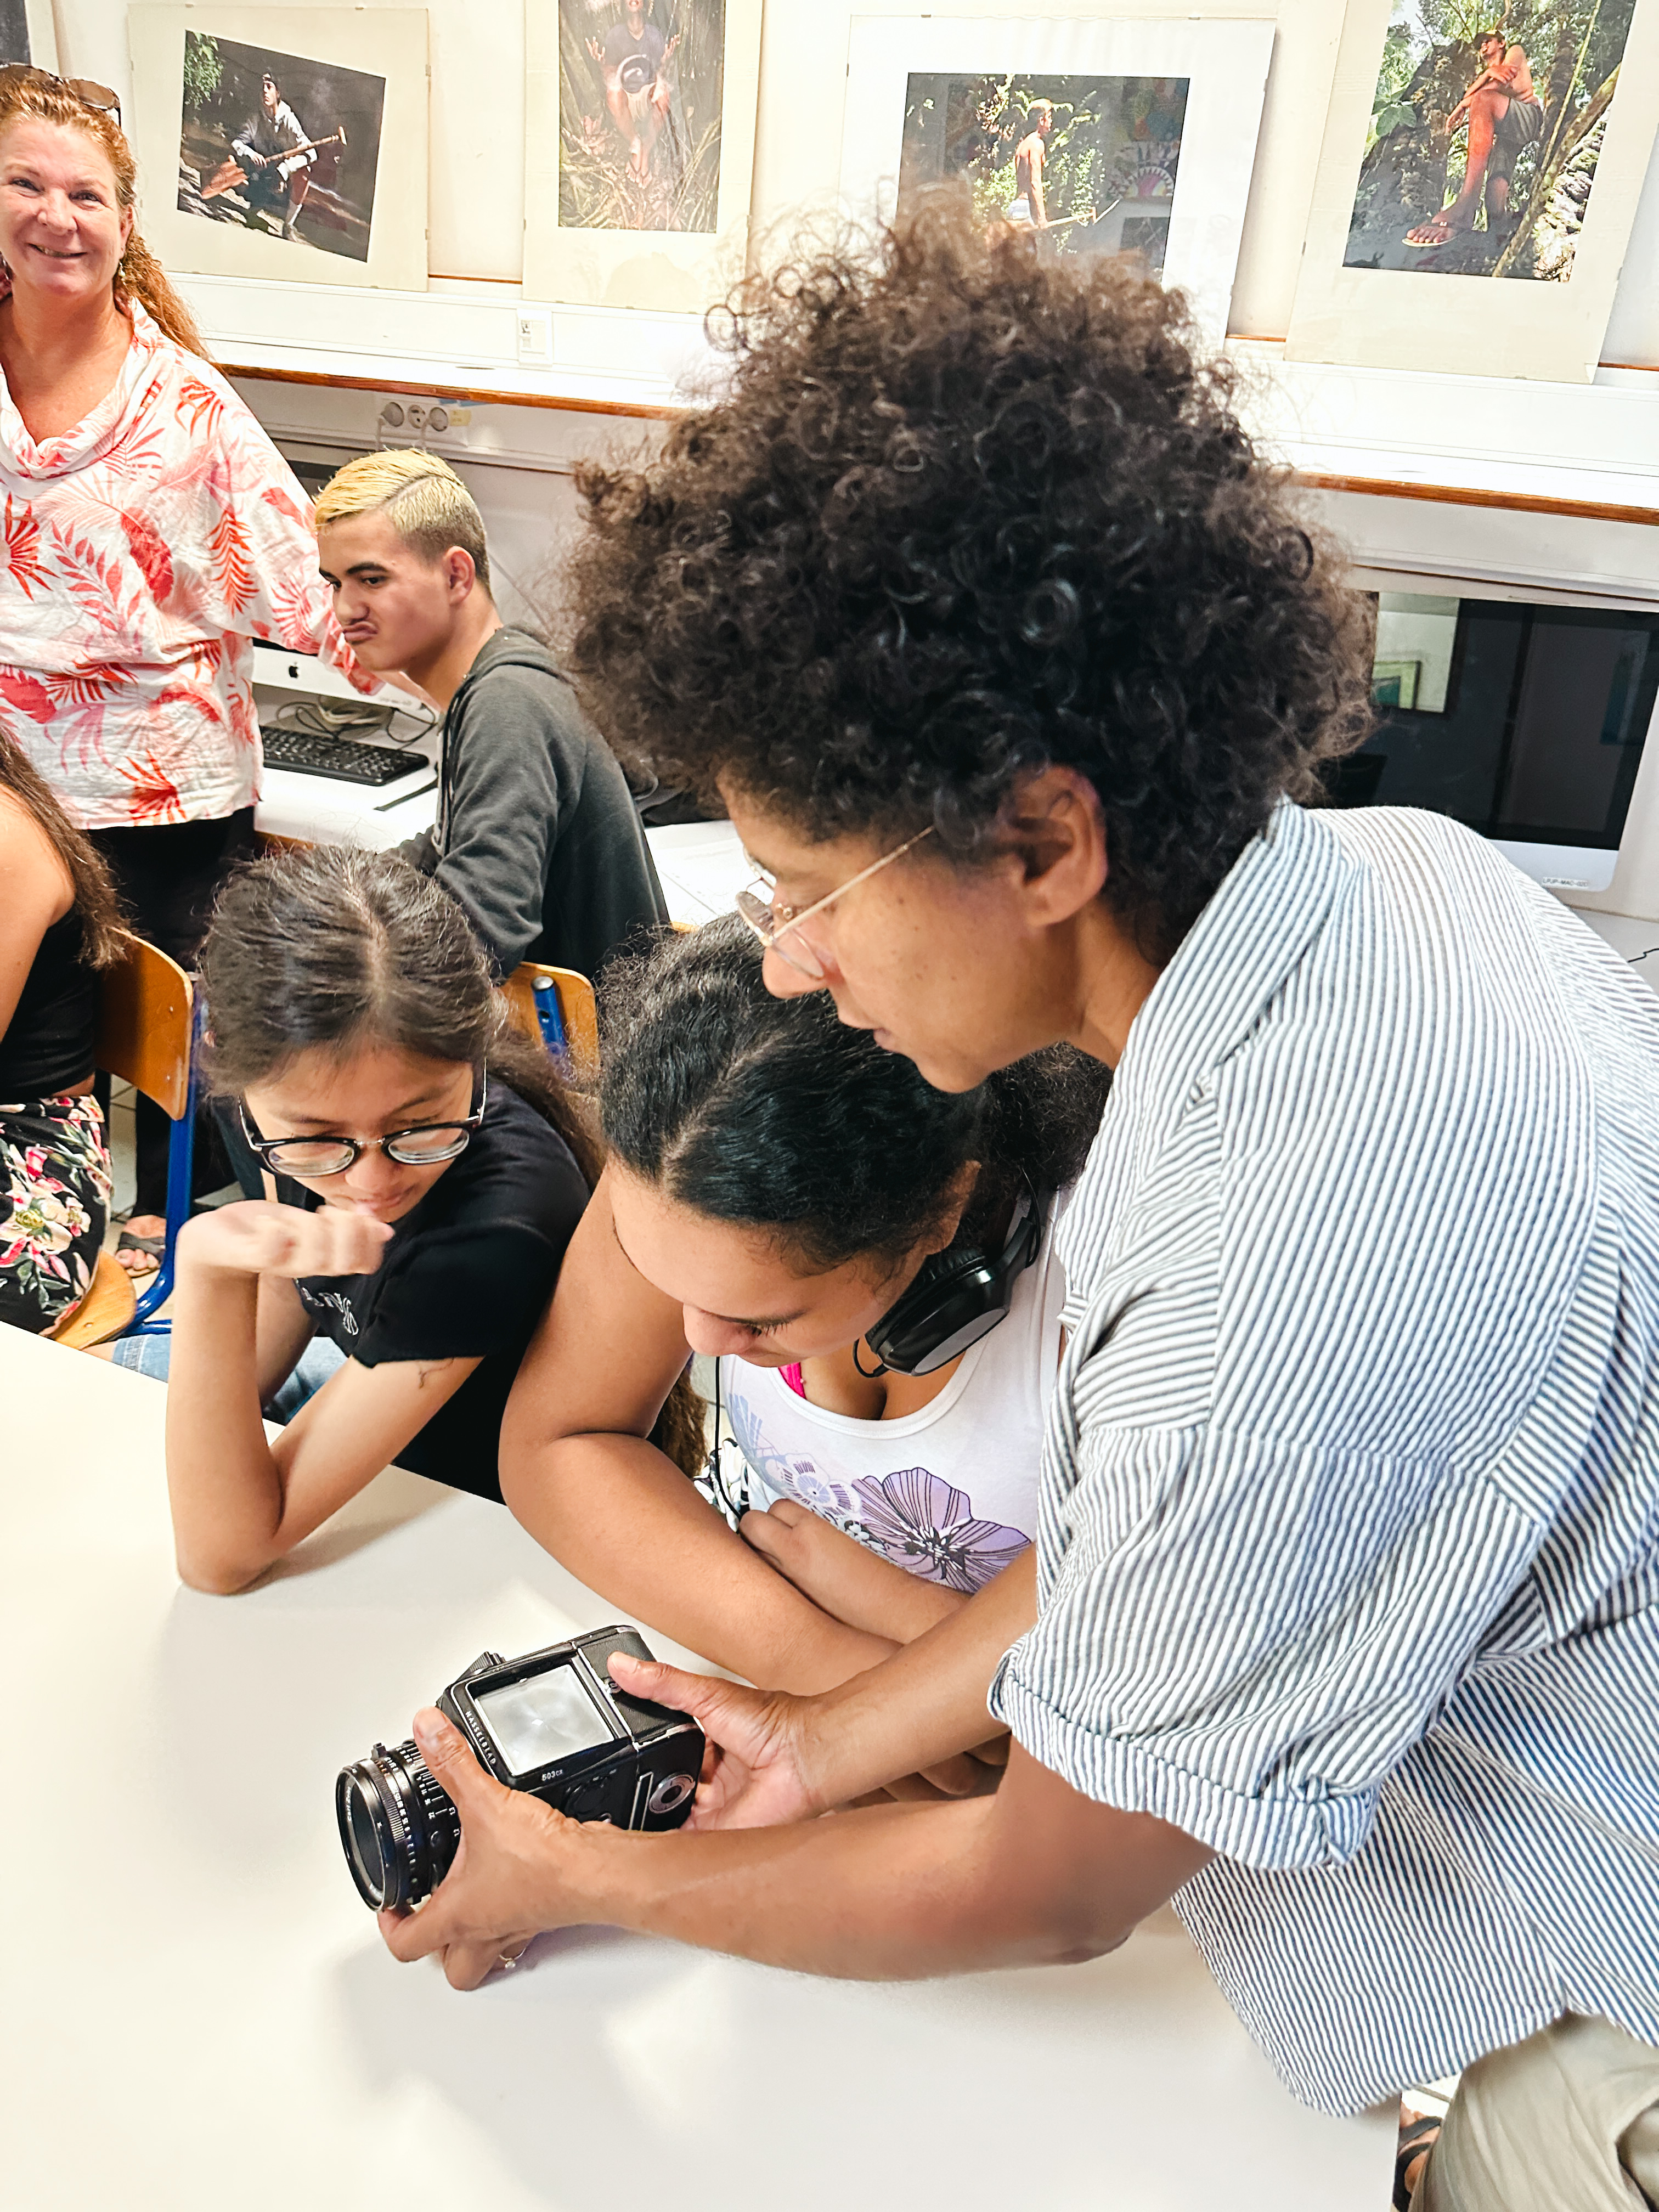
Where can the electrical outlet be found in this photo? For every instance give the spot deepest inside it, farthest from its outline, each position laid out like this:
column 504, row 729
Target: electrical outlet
column 412, row 422
column 536, row 336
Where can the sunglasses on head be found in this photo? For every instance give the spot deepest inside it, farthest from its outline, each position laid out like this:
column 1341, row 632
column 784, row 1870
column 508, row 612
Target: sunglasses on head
column 86, row 89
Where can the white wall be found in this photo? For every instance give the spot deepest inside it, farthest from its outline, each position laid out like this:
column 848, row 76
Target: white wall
column 476, row 202
column 1633, row 329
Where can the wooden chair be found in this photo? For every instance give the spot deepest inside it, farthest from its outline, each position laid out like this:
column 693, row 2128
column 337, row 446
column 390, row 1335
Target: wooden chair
column 146, row 1036
column 577, row 1015
column 107, row 1310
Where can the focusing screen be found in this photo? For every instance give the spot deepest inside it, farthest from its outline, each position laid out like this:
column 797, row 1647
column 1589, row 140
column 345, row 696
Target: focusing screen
column 547, row 1717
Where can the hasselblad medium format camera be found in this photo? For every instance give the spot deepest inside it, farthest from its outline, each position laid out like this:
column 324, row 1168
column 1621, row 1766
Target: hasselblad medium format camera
column 553, row 1723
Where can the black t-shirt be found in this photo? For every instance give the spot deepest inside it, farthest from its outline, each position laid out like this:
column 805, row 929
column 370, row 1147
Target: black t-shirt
column 646, row 52
column 466, row 1276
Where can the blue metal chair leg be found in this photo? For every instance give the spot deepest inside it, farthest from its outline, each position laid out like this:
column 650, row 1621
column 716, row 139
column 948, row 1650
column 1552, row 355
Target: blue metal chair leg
column 181, row 1156
column 549, row 1019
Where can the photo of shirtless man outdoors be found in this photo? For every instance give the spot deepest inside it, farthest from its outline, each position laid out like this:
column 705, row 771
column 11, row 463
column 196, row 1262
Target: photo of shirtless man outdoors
column 1504, row 113
column 1028, row 205
column 1089, row 162
column 1485, row 135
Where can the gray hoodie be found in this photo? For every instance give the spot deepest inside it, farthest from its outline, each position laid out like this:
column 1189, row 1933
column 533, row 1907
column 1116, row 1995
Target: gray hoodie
column 537, row 836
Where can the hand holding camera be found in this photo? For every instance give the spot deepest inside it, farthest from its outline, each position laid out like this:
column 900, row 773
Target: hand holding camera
column 760, row 1773
column 507, row 1882
column 773, row 1757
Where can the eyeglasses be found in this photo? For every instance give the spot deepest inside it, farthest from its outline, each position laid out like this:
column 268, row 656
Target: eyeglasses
column 103, row 97
column 423, row 1146
column 772, row 923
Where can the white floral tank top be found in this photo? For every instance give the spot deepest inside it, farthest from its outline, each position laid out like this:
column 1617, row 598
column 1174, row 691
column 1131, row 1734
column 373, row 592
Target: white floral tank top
column 948, row 1492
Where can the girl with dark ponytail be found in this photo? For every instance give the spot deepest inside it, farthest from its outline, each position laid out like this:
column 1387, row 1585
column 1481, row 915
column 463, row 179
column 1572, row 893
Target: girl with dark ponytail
column 784, row 1196
column 58, row 926
column 424, row 1170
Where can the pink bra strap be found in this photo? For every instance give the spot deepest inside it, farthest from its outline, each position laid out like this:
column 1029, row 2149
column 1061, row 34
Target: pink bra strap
column 792, row 1375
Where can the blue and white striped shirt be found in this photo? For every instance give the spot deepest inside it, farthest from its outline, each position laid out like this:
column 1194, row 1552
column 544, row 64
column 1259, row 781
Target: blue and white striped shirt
column 1349, row 1534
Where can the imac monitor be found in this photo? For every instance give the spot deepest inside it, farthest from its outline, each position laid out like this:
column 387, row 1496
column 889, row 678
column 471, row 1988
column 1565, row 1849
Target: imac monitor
column 1527, row 722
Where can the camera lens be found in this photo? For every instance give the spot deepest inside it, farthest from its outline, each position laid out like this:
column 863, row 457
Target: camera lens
column 363, row 1845
column 398, row 1827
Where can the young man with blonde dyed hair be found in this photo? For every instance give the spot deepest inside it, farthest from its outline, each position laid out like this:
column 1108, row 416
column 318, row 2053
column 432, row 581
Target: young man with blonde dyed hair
column 536, row 836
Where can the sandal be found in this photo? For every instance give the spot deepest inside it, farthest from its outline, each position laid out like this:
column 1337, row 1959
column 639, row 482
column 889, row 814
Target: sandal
column 1416, row 2142
column 152, row 1247
column 1436, row 232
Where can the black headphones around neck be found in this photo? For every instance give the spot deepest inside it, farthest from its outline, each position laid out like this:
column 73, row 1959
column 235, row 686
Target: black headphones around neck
column 958, row 1297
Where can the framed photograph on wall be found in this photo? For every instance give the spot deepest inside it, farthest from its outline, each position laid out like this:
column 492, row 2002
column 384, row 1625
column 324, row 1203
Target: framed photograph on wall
column 1393, row 683
column 287, row 144
column 640, row 147
column 28, row 34
column 1478, row 181
column 1100, row 135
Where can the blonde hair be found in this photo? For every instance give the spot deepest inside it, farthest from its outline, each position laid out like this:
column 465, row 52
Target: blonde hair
column 421, row 495
column 32, row 95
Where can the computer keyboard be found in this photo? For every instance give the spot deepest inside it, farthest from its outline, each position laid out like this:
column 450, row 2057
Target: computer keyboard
column 305, row 753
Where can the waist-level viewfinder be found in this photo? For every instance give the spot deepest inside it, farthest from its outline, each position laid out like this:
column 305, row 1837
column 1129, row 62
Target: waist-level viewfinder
column 552, row 1723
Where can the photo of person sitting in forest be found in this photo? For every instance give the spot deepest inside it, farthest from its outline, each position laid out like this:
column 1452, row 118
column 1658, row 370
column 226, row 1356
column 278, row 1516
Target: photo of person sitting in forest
column 1485, row 137
column 642, row 84
column 280, row 144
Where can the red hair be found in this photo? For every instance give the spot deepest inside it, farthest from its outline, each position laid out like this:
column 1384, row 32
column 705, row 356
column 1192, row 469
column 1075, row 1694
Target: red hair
column 32, row 95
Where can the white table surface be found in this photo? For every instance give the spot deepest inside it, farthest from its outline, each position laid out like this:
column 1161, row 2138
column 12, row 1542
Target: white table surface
column 196, row 2010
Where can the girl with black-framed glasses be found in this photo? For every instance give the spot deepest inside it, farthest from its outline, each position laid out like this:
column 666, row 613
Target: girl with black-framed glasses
column 422, row 1173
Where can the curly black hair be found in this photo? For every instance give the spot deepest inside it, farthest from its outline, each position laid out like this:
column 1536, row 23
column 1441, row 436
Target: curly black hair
column 965, row 511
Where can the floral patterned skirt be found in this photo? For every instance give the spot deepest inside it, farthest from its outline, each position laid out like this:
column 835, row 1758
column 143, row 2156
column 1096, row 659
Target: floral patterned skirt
column 55, row 1189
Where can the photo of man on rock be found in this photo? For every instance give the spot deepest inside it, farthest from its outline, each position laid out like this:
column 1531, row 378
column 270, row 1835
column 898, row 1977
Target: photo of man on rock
column 1484, row 136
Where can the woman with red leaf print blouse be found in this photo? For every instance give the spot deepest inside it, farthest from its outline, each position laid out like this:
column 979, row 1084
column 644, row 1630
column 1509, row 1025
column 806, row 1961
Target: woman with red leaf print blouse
column 151, row 533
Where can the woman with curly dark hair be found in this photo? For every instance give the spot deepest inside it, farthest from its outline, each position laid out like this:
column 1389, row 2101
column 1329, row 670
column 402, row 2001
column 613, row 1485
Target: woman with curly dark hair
column 973, row 518
column 1015, row 668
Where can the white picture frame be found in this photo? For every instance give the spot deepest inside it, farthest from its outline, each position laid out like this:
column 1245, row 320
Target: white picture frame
column 671, row 271
column 1225, row 65
column 1470, row 326
column 38, row 42
column 387, row 44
